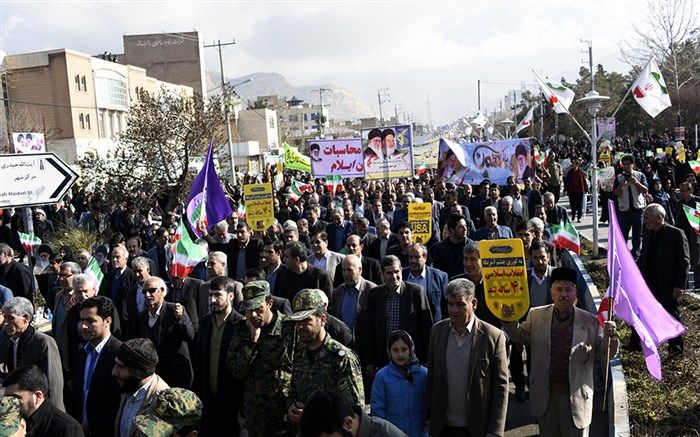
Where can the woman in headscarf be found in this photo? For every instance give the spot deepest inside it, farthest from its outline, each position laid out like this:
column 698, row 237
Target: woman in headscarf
column 660, row 196
column 398, row 388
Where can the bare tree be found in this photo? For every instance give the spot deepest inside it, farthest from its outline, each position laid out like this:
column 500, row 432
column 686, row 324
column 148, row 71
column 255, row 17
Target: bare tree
column 671, row 36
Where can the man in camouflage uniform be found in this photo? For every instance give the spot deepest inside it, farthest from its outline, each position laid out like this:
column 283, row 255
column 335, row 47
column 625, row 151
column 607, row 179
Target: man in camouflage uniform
column 11, row 422
column 176, row 412
column 321, row 362
column 261, row 353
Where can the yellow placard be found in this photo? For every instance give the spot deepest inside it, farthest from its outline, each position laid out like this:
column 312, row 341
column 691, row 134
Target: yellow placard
column 659, row 150
column 669, row 150
column 420, row 216
column 259, row 206
column 505, row 277
column 605, row 156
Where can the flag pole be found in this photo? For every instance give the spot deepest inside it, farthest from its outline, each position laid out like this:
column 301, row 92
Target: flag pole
column 622, row 101
column 614, row 283
column 607, row 355
column 588, row 137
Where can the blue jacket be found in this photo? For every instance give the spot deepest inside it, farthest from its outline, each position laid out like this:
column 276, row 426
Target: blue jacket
column 398, row 401
column 483, row 233
column 330, row 230
column 437, row 281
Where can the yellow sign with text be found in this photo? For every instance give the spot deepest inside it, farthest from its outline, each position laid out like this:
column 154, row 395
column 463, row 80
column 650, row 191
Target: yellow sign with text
column 420, row 216
column 259, row 206
column 505, row 277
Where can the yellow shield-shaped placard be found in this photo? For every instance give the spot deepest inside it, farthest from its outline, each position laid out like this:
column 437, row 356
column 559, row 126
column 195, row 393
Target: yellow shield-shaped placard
column 505, row 277
column 420, row 216
column 259, row 206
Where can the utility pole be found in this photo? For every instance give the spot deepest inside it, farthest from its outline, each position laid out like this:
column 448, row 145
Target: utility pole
column 382, row 97
column 478, row 94
column 430, row 116
column 227, row 109
column 590, row 60
column 320, row 120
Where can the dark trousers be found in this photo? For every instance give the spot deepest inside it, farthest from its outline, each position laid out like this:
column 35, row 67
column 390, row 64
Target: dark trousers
column 576, row 204
column 455, row 431
column 556, row 190
column 515, row 365
column 632, row 219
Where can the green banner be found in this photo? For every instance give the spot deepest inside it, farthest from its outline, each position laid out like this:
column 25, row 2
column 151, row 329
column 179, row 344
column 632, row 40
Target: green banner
column 294, row 160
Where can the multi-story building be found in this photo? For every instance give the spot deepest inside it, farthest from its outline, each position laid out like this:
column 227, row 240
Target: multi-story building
column 298, row 121
column 80, row 102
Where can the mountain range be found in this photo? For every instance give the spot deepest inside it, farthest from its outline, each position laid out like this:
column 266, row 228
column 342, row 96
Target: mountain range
column 343, row 104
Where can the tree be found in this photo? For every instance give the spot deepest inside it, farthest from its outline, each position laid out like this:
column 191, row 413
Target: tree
column 156, row 155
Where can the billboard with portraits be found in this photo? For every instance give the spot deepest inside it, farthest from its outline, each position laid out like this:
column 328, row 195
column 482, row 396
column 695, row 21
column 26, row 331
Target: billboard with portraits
column 29, row 142
column 388, row 152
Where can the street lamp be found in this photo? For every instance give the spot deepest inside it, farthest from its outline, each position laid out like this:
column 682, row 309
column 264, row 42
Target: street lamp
column 228, row 129
column 593, row 102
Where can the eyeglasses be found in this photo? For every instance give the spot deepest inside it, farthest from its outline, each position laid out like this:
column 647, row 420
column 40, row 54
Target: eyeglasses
column 65, row 275
column 151, row 290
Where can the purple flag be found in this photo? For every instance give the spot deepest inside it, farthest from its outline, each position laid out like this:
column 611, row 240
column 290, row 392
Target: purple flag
column 207, row 202
column 634, row 302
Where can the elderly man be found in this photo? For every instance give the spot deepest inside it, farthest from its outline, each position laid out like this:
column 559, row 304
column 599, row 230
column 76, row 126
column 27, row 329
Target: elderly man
column 464, row 397
column 63, row 303
column 347, row 298
column 385, row 239
column 15, row 276
column 556, row 214
column 117, row 283
column 243, row 253
column 565, row 342
column 370, row 266
column 168, row 326
column 433, row 281
column 28, row 346
column 136, row 301
column 492, row 230
column 322, row 257
column 217, row 265
column 338, row 230
column 507, row 216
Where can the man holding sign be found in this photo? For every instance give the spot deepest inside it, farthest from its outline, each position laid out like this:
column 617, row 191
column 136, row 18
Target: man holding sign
column 564, row 341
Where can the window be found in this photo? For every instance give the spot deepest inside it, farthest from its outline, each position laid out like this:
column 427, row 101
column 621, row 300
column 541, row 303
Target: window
column 271, row 122
column 77, row 82
column 314, row 116
column 87, row 121
column 305, row 117
column 101, row 124
column 111, row 93
column 83, row 82
column 81, row 119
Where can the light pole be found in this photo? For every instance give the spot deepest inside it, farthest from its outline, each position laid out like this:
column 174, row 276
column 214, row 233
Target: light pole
column 594, row 102
column 227, row 109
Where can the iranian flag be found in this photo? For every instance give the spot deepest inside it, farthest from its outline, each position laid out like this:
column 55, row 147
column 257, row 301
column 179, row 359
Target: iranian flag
column 28, row 241
column 93, row 270
column 693, row 216
column 559, row 96
column 334, row 183
column 187, row 254
column 421, row 169
column 297, row 189
column 540, row 156
column 240, row 212
column 649, row 90
column 695, row 166
column 565, row 236
column 527, row 121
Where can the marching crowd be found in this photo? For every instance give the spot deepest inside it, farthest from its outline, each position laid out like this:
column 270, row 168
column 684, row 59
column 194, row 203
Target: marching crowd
column 334, row 321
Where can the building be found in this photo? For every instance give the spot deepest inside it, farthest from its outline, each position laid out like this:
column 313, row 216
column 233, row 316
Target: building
column 80, row 102
column 259, row 125
column 298, row 121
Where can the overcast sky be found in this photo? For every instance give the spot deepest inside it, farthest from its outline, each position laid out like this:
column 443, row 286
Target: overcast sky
column 414, row 48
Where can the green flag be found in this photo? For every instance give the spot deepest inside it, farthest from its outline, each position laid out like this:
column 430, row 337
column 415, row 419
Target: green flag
column 294, row 160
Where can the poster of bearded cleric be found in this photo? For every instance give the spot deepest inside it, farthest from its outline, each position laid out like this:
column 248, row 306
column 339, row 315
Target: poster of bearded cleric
column 388, row 152
column 470, row 163
column 341, row 156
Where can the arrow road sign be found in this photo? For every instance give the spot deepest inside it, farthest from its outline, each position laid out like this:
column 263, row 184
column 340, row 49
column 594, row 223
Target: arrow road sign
column 33, row 179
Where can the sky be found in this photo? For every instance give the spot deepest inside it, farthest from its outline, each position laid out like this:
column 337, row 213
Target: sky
column 419, row 50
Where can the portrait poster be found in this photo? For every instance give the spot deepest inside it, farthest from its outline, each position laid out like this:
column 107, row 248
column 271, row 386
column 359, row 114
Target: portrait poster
column 504, row 274
column 388, row 152
column 29, row 142
column 340, row 157
column 259, row 206
column 470, row 163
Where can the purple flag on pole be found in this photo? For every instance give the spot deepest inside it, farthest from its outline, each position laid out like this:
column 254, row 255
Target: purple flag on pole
column 634, row 302
column 207, row 202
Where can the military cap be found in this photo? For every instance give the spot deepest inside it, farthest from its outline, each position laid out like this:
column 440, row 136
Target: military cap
column 175, row 408
column 10, row 417
column 254, row 295
column 374, row 133
column 305, row 303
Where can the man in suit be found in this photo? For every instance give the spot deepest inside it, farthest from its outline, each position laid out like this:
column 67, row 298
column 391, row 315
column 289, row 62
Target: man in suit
column 97, row 392
column 370, row 266
column 28, row 346
column 168, row 326
column 221, row 394
column 243, row 253
column 338, row 230
column 185, row 291
column 539, row 277
column 135, row 372
column 217, row 265
column 300, row 274
column 117, row 283
column 446, row 211
column 348, row 297
column 447, row 254
column 322, row 257
column 556, row 214
column 366, row 232
column 394, row 305
column 15, row 276
column 688, row 199
column 315, row 223
column 376, row 213
column 271, row 260
column 405, row 239
column 136, row 301
column 492, row 230
column 664, row 263
column 161, row 254
column 472, row 402
column 565, row 342
column 62, row 304
column 385, row 239
column 433, row 281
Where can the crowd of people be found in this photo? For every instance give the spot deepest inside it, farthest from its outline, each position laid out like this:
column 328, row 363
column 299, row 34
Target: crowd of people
column 332, row 322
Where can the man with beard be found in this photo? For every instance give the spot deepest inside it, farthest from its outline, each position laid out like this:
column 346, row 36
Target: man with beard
column 168, row 326
column 261, row 353
column 215, row 385
column 447, row 254
column 28, row 384
column 321, row 363
column 134, row 369
column 217, row 265
column 97, row 393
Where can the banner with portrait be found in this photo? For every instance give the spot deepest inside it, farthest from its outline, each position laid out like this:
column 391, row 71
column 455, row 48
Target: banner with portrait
column 341, row 156
column 388, row 152
column 29, row 142
column 470, row 163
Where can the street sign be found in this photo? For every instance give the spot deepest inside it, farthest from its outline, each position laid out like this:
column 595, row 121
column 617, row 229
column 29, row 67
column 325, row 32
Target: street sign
column 33, row 179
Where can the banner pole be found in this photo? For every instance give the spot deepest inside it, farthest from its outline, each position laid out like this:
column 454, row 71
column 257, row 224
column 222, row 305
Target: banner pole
column 621, row 102
column 607, row 355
